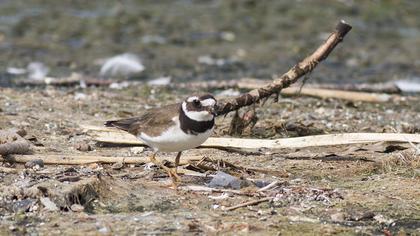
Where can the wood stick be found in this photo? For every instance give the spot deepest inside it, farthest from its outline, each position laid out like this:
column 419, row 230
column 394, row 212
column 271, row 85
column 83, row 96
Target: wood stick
column 339, row 94
column 114, row 136
column 300, row 69
column 8, row 170
column 68, row 159
column 199, row 188
column 250, row 203
column 269, row 186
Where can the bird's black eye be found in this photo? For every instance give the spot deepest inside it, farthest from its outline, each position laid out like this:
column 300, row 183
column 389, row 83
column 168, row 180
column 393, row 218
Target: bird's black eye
column 197, row 103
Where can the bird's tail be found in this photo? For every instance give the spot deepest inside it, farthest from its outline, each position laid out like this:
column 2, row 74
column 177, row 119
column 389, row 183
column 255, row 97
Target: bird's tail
column 123, row 124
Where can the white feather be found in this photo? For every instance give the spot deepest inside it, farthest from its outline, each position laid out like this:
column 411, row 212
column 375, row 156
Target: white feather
column 208, row 102
column 197, row 115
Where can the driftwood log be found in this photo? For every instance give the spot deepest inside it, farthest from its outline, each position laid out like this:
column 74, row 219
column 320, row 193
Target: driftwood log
column 117, row 137
column 300, row 69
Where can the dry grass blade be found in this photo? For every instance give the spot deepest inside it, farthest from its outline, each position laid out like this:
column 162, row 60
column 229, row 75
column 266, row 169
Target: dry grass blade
column 250, row 203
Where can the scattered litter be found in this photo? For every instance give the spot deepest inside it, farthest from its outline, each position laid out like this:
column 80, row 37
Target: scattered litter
column 153, row 39
column 409, row 85
column 221, row 196
column 208, row 60
column 101, row 228
column 136, row 150
column 80, row 96
column 48, row 204
column 37, row 71
column 382, row 220
column 161, row 81
column 221, row 179
column 121, row 85
column 302, row 219
column 123, row 65
column 16, row 71
column 229, row 93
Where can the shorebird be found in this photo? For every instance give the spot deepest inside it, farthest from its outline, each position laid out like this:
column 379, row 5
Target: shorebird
column 173, row 128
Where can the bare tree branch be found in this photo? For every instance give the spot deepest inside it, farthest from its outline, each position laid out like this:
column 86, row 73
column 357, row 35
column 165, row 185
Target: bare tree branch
column 300, row 69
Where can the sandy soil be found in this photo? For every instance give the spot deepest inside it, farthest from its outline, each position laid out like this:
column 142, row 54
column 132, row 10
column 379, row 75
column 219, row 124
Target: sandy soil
column 347, row 190
column 363, row 189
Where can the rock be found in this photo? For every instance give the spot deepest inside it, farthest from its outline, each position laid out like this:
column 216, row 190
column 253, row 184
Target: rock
column 117, row 166
column 83, row 147
column 221, row 179
column 77, row 208
column 22, row 205
column 48, row 204
column 33, row 163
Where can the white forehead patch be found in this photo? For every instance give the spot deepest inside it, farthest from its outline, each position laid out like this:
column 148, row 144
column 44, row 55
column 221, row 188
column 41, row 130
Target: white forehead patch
column 191, row 99
column 208, row 102
column 197, row 115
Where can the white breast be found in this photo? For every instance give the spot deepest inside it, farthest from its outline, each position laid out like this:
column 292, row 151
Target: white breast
column 175, row 140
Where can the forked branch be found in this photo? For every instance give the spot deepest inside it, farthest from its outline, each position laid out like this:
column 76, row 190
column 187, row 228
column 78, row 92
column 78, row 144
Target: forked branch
column 284, row 81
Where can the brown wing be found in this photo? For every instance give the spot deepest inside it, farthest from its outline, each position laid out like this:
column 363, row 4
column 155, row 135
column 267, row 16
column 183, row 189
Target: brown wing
column 153, row 121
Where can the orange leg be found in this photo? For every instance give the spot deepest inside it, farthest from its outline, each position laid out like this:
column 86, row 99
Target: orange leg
column 171, row 173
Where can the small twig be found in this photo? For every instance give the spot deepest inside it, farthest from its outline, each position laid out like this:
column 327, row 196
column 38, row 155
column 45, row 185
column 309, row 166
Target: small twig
column 271, row 185
column 250, row 203
column 198, row 188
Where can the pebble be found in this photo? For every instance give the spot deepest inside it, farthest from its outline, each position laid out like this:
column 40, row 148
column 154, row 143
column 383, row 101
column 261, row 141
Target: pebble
column 77, row 208
column 48, row 204
column 83, row 147
column 117, row 166
column 34, row 163
column 136, row 150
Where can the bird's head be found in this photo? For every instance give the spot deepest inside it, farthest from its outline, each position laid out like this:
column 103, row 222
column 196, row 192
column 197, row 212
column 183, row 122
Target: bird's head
column 200, row 108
